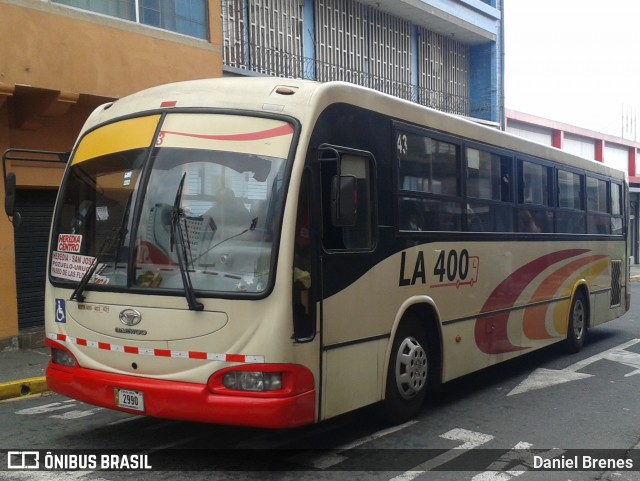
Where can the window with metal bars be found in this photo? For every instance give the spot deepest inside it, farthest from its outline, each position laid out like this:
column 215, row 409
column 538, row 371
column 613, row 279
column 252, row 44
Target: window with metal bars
column 353, row 42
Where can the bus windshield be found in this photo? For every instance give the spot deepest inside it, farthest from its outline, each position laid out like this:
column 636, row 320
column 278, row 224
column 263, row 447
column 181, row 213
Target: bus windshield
column 204, row 187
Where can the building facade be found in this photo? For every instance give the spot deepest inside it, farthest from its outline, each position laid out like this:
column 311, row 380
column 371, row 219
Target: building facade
column 445, row 54
column 60, row 59
column 616, row 152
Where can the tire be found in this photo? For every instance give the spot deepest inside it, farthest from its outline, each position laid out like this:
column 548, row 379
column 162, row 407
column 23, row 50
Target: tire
column 408, row 374
column 578, row 323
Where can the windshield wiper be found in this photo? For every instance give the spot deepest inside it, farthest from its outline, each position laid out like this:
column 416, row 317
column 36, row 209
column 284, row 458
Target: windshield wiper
column 177, row 239
column 115, row 237
column 107, row 246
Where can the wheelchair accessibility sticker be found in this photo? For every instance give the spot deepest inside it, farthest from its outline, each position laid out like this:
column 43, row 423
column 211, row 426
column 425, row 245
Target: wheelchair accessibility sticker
column 61, row 311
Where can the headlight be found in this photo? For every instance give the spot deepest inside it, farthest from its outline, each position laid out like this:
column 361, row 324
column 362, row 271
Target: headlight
column 63, row 358
column 262, row 380
column 255, row 381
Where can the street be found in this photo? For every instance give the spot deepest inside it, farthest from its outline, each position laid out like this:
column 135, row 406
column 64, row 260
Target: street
column 576, row 414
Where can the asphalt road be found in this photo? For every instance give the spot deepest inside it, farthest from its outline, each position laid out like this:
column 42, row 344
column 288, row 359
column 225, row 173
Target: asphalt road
column 496, row 425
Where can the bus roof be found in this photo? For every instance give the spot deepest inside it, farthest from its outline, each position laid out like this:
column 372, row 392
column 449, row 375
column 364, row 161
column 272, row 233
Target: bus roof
column 294, row 98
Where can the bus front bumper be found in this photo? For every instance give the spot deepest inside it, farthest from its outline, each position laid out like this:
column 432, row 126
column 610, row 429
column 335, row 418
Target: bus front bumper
column 181, row 400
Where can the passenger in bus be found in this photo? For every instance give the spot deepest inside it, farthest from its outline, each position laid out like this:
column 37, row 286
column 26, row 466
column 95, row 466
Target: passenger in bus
column 474, row 222
column 411, row 217
column 449, row 220
column 229, row 214
column 526, row 222
column 602, row 225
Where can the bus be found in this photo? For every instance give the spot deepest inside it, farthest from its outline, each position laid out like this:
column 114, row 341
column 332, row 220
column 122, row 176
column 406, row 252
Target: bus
column 273, row 253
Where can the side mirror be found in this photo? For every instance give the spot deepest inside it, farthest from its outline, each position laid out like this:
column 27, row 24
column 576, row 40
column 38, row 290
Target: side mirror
column 10, row 193
column 344, row 200
column 10, row 200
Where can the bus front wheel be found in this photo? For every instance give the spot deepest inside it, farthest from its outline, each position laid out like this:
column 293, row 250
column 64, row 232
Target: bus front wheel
column 577, row 326
column 408, row 373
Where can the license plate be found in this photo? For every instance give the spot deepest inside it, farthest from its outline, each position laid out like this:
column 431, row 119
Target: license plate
column 128, row 399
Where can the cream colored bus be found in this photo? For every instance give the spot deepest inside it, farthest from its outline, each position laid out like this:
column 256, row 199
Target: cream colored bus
column 273, row 253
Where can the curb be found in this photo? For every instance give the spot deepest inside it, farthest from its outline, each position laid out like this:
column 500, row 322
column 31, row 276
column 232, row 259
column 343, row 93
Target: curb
column 23, row 387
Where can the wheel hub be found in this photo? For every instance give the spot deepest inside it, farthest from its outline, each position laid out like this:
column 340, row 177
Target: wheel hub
column 411, row 368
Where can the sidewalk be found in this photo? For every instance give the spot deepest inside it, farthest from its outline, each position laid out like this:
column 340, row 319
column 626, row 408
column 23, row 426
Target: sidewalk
column 634, row 273
column 22, row 370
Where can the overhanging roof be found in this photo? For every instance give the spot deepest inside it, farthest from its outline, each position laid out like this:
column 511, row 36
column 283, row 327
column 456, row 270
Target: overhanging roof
column 467, row 21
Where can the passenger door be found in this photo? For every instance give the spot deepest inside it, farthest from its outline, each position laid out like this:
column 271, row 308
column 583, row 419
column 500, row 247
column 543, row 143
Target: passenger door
column 350, row 357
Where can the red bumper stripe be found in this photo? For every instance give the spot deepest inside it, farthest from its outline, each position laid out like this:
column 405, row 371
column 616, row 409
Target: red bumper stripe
column 241, row 358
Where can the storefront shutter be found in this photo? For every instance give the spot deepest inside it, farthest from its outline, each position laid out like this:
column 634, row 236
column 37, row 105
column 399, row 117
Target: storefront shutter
column 31, row 240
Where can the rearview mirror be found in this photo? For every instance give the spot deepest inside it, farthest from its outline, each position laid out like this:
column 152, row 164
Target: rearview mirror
column 344, row 200
column 10, row 200
column 10, row 194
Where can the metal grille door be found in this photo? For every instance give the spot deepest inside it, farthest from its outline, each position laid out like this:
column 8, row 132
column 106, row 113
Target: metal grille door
column 31, row 241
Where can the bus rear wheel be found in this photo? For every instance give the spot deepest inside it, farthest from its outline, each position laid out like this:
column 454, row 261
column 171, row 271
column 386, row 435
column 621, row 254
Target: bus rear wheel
column 578, row 320
column 408, row 373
